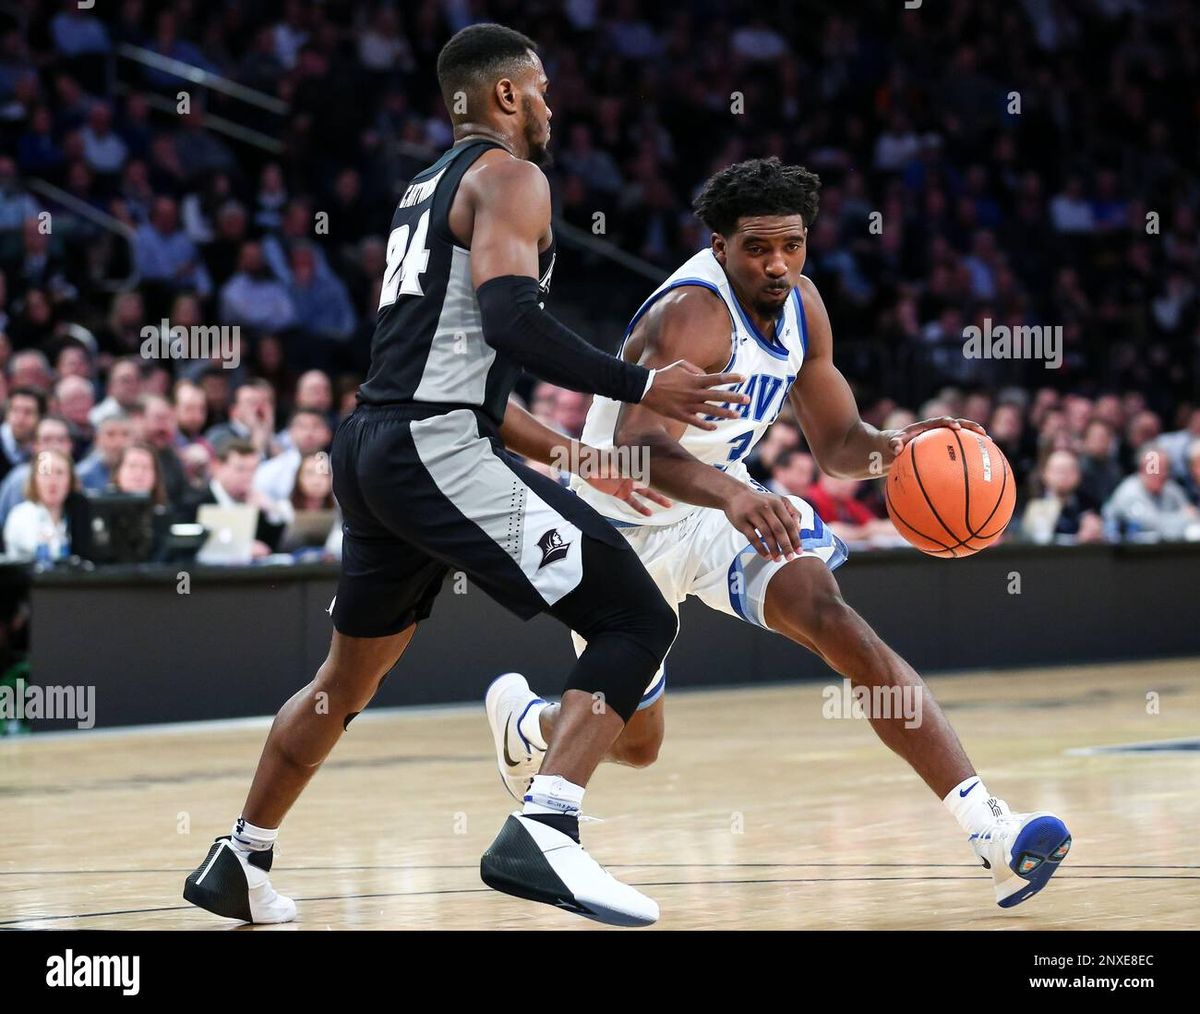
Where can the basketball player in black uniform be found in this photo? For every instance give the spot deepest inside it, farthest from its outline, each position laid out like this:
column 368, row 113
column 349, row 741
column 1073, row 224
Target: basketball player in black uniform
column 425, row 485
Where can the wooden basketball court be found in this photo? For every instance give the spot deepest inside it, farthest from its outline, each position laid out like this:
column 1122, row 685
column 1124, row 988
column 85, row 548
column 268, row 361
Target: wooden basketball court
column 760, row 814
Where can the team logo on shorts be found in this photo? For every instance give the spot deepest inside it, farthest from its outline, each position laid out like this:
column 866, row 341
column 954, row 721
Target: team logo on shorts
column 552, row 546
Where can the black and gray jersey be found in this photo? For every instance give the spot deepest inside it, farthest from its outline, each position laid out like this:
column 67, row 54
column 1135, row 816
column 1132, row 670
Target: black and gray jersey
column 428, row 345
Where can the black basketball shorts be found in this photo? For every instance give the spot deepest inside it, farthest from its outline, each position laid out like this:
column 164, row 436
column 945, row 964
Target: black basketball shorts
column 423, row 491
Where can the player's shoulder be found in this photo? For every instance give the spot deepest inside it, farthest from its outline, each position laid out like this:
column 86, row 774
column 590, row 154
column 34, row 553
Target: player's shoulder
column 808, row 288
column 688, row 322
column 499, row 174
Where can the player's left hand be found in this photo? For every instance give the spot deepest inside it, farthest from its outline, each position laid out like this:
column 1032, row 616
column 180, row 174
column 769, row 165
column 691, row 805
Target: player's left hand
column 898, row 438
column 602, row 472
column 630, row 492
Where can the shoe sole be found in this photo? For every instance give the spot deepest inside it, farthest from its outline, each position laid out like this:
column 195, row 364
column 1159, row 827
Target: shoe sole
column 491, row 701
column 1039, row 850
column 515, row 865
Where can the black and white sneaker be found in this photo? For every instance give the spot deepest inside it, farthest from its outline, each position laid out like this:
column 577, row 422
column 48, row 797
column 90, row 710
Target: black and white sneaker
column 534, row 860
column 234, row 884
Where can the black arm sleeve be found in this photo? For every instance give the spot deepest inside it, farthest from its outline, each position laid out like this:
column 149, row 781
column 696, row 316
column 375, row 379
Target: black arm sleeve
column 514, row 323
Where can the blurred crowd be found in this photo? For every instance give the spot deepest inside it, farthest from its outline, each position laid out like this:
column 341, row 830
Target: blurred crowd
column 181, row 443
column 1024, row 164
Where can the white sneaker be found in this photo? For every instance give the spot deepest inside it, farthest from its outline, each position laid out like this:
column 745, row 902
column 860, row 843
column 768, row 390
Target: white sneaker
column 1023, row 851
column 234, row 884
column 532, row 860
column 507, row 700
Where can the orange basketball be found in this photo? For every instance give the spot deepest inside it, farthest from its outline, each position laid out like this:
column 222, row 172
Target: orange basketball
column 950, row 492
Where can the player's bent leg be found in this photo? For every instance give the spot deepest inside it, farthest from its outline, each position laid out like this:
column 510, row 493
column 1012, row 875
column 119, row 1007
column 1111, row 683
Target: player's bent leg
column 641, row 739
column 803, row 602
column 1022, row 850
column 538, row 855
column 233, row 881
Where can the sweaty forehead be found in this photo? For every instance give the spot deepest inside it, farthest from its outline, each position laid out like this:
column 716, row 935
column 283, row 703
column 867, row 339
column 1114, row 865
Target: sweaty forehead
column 770, row 226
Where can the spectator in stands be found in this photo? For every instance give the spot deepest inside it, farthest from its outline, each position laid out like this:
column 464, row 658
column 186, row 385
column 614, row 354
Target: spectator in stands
column 1101, row 472
column 160, row 432
column 74, row 398
column 103, row 149
column 1064, row 511
column 201, row 150
column 113, row 434
column 315, row 519
column 52, row 434
column 253, row 297
column 834, row 500
column 1178, row 444
column 251, row 418
column 31, row 368
column 309, row 434
column 298, row 227
column 23, row 412
column 124, row 390
column 78, row 32
column 782, row 437
column 271, row 199
column 1143, row 428
column 36, row 528
column 314, row 390
column 793, row 472
column 322, row 304
column 1150, row 505
column 74, row 359
column 38, row 153
column 233, row 483
column 137, row 471
column 570, row 411
column 164, row 254
column 16, row 206
column 223, row 252
column 191, row 414
column 122, row 334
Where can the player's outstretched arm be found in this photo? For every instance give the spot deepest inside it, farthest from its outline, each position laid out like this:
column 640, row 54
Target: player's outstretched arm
column 510, row 201
column 843, row 445
column 692, row 320
column 527, row 436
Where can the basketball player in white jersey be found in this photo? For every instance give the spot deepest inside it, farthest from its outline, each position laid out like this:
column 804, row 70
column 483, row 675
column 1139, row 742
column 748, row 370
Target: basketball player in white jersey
column 743, row 306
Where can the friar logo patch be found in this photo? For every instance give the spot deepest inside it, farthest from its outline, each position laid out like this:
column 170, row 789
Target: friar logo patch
column 552, row 546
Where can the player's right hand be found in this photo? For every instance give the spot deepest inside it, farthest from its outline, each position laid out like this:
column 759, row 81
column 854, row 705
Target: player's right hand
column 770, row 523
column 684, row 392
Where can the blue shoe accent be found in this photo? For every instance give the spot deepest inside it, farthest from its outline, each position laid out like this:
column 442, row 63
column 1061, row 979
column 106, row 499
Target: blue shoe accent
column 1039, row 850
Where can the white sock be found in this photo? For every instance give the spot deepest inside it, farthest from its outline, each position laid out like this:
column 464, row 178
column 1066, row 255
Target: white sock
column 553, row 794
column 250, row 838
column 530, row 725
column 970, row 803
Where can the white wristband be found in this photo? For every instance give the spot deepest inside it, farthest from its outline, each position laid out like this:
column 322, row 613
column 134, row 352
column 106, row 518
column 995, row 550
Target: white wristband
column 649, row 381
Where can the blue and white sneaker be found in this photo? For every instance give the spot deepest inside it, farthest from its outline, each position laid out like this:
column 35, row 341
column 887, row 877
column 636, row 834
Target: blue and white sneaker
column 1023, row 851
column 507, row 700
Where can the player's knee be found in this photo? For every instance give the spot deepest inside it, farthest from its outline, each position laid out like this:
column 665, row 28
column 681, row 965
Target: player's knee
column 661, row 625
column 831, row 619
column 636, row 753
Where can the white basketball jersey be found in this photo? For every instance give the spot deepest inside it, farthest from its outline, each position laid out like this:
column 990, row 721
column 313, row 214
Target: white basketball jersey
column 769, row 366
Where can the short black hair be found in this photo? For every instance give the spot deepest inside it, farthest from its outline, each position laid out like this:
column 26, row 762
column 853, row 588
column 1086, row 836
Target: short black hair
column 30, row 392
column 479, row 56
column 760, row 186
